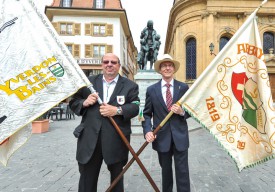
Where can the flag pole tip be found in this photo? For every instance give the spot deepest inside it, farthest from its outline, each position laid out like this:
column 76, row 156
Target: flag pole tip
column 263, row 3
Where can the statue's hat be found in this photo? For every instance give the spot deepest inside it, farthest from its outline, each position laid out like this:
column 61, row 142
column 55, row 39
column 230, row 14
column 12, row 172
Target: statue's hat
column 166, row 57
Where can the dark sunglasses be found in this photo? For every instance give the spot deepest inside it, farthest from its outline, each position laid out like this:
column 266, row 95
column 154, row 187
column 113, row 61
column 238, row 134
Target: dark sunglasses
column 107, row 61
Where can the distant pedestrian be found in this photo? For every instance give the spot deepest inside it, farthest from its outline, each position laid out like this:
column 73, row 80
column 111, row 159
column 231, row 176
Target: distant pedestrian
column 172, row 140
column 99, row 140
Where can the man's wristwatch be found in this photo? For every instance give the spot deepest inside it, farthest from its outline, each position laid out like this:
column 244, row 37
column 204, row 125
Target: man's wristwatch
column 119, row 111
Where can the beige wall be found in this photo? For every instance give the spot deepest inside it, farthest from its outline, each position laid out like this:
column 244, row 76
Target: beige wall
column 207, row 21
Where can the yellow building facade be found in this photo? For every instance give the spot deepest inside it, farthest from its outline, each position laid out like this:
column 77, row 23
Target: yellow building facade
column 195, row 24
column 92, row 28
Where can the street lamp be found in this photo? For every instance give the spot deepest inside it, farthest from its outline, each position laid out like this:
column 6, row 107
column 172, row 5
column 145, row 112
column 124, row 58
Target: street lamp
column 211, row 47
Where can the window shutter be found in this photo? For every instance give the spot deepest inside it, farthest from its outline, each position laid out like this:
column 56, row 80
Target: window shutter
column 76, row 50
column 77, row 29
column 109, row 30
column 56, row 27
column 92, row 29
column 109, row 48
column 88, row 29
column 88, row 51
column 92, row 50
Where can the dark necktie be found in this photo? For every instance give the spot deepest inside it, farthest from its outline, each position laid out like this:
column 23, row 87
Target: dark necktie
column 169, row 99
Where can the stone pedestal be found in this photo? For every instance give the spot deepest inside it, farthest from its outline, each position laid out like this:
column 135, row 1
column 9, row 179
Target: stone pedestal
column 144, row 78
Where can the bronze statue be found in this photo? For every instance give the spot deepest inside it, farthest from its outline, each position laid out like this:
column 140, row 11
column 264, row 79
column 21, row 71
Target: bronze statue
column 149, row 46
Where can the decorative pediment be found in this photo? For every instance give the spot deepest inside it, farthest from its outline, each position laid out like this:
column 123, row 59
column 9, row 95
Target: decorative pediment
column 270, row 63
column 269, row 58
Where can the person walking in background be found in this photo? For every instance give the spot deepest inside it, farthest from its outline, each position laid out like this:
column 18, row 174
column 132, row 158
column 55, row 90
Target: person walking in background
column 172, row 139
column 99, row 140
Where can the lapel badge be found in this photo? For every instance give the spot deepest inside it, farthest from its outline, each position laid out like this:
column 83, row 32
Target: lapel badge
column 120, row 99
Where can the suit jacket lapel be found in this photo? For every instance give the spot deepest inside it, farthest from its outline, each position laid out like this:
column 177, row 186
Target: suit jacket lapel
column 176, row 91
column 158, row 92
column 99, row 86
column 117, row 90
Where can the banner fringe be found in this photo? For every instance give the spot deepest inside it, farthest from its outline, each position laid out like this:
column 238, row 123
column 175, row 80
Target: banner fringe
column 239, row 168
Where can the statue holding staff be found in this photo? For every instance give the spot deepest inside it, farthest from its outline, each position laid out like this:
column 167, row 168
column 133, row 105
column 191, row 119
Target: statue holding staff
column 149, row 46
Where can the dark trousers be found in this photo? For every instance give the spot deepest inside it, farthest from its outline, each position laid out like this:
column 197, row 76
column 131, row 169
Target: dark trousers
column 89, row 172
column 181, row 169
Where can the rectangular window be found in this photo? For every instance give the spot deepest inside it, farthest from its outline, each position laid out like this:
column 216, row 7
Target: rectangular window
column 102, row 30
column 63, row 28
column 96, row 29
column 66, row 28
column 69, row 29
column 102, row 50
column 90, row 72
column 98, row 51
column 95, row 72
column 99, row 29
column 70, row 48
column 99, row 4
column 74, row 49
column 66, row 3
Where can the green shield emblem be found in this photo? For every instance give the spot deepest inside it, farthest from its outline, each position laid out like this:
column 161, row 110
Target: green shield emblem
column 57, row 70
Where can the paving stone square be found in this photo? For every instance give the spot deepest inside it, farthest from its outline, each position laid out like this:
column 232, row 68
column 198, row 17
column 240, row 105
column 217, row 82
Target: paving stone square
column 47, row 163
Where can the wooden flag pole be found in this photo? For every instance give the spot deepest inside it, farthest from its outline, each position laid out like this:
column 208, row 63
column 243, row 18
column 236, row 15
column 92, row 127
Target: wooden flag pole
column 126, row 167
column 127, row 144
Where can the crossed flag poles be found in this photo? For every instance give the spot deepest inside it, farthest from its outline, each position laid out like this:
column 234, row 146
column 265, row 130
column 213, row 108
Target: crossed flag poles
column 135, row 155
column 126, row 167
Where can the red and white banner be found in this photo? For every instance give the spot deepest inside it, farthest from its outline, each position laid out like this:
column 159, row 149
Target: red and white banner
column 232, row 99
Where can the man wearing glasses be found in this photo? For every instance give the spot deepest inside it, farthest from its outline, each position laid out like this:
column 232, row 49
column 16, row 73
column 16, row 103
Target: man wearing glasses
column 172, row 140
column 99, row 140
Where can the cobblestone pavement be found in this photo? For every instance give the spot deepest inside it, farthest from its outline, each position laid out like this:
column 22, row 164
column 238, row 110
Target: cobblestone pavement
column 47, row 163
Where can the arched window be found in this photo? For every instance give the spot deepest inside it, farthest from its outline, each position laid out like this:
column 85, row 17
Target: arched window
column 191, row 60
column 268, row 41
column 223, row 42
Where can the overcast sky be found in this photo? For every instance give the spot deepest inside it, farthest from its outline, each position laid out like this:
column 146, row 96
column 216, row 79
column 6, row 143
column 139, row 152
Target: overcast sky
column 138, row 13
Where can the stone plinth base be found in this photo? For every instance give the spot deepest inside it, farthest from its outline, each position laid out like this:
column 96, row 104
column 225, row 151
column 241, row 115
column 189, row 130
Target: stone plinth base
column 144, row 78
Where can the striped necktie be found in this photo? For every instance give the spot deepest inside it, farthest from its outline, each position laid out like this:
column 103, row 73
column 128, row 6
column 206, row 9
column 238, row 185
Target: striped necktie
column 169, row 99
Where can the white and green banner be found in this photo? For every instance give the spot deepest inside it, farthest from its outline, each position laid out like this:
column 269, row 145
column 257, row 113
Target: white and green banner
column 232, row 99
column 37, row 72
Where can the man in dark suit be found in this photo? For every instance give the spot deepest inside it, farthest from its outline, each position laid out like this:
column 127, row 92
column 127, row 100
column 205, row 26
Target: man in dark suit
column 172, row 139
column 99, row 140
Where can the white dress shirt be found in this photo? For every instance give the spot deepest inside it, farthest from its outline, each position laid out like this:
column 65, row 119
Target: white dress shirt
column 108, row 88
column 164, row 89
